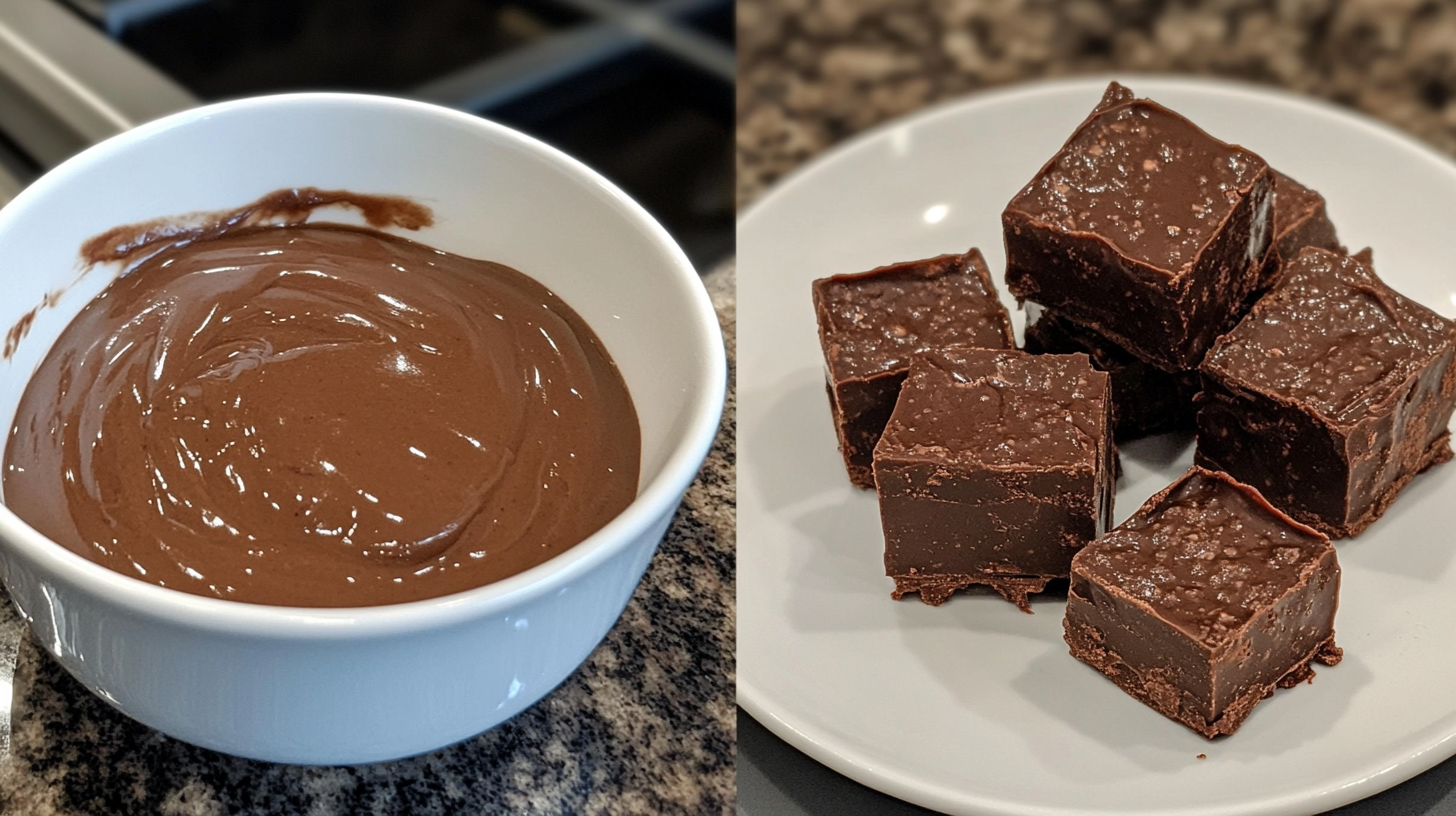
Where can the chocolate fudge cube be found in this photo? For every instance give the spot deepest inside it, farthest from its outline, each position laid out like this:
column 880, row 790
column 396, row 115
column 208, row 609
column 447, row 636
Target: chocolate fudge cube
column 1204, row 601
column 1300, row 220
column 871, row 325
column 1146, row 400
column 995, row 468
column 1143, row 228
column 1331, row 395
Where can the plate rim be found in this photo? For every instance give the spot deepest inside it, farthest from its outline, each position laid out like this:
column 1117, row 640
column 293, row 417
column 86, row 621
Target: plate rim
column 850, row 763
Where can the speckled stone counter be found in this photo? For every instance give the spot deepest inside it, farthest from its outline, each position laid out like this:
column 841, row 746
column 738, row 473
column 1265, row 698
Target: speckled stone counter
column 814, row 72
column 645, row 726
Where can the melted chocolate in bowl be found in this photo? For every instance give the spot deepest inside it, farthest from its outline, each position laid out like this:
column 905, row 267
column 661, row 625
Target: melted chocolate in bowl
column 319, row 415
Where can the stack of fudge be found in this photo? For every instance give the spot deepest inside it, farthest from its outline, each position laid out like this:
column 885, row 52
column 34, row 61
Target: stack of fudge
column 1171, row 281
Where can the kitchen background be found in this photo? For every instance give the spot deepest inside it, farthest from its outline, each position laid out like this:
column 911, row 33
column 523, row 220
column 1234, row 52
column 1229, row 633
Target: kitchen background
column 639, row 90
column 814, row 72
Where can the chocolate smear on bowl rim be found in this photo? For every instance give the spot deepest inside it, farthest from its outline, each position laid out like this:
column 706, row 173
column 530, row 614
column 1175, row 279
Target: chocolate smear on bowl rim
column 280, row 412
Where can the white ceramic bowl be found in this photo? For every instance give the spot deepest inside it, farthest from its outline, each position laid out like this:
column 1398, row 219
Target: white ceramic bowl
column 332, row 686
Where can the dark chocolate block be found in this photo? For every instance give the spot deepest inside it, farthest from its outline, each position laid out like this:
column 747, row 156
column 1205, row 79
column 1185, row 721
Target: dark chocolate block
column 1143, row 228
column 995, row 468
column 1145, row 399
column 1331, row 395
column 872, row 324
column 1204, row 601
column 1300, row 220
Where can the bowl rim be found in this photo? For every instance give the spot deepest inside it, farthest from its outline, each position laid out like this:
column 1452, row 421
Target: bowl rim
column 656, row 499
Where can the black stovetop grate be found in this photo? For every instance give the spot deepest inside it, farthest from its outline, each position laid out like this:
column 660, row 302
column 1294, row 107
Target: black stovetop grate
column 641, row 91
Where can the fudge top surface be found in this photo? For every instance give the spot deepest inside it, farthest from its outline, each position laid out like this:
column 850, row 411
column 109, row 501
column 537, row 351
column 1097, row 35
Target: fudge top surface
column 1006, row 410
column 874, row 322
column 1207, row 554
column 1143, row 178
column 1331, row 335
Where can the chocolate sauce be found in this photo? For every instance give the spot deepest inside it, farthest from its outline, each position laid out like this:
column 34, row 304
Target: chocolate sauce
column 319, row 415
column 130, row 242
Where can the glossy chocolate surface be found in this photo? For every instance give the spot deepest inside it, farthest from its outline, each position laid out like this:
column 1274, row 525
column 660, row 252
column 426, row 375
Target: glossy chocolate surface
column 1144, row 228
column 872, row 324
column 1331, row 395
column 1204, row 601
column 1145, row 399
column 994, row 469
column 1145, row 179
column 321, row 416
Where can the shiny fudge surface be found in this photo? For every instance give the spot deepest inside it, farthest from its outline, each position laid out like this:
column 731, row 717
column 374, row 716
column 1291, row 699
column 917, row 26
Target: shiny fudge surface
column 871, row 324
column 1204, row 602
column 1004, row 410
column 1331, row 395
column 1144, row 228
column 1208, row 557
column 1145, row 399
column 995, row 469
column 1333, row 337
column 875, row 321
column 1144, row 178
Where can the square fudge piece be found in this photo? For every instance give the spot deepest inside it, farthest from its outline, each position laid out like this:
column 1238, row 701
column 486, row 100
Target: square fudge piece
column 1146, row 400
column 1331, row 395
column 1300, row 220
column 1204, row 601
column 996, row 467
column 1145, row 229
column 871, row 325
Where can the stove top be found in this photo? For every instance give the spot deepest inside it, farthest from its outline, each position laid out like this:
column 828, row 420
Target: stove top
column 640, row 90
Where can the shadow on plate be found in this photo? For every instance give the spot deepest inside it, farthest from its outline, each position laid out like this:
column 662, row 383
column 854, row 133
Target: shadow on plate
column 1413, row 538
column 796, row 454
column 837, row 569
column 1081, row 726
column 1102, row 714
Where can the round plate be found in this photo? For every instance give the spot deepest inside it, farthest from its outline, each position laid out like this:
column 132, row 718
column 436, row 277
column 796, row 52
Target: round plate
column 975, row 707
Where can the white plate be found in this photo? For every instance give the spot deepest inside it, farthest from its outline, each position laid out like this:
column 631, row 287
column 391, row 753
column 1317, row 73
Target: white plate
column 974, row 707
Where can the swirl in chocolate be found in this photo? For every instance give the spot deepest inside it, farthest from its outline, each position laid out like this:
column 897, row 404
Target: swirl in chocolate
column 312, row 415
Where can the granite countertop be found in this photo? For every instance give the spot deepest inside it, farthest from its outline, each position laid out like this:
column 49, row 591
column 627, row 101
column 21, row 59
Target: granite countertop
column 645, row 726
column 814, row 72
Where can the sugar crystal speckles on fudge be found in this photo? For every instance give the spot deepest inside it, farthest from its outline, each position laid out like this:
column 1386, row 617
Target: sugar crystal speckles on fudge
column 1144, row 228
column 1204, row 601
column 872, row 324
column 1331, row 395
column 995, row 468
